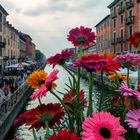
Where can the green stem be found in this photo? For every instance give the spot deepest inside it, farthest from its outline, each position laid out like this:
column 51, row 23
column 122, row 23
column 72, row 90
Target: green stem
column 117, row 79
column 70, row 121
column 78, row 101
column 101, row 96
column 128, row 77
column 39, row 100
column 34, row 134
column 90, row 106
column 138, row 75
column 47, row 132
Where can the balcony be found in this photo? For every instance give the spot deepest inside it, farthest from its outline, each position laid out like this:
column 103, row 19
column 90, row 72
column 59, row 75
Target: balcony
column 129, row 20
column 113, row 42
column 121, row 10
column 2, row 44
column 129, row 4
column 120, row 40
column 113, row 15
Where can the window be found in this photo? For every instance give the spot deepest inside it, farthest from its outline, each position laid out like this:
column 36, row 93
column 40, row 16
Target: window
column 114, row 11
column 122, row 40
column 0, row 38
column 130, row 34
column 121, row 5
column 114, row 23
column 121, row 19
column 130, row 13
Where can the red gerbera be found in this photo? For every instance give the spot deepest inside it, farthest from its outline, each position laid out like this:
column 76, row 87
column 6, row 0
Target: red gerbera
column 64, row 135
column 93, row 62
column 81, row 36
column 135, row 40
column 37, row 117
column 60, row 58
column 71, row 96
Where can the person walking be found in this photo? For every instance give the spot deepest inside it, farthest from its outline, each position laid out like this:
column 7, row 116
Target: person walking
column 6, row 89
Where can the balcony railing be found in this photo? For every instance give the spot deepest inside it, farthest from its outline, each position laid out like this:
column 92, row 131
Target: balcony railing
column 121, row 10
column 129, row 20
column 129, row 4
column 114, row 15
column 2, row 44
column 113, row 42
column 120, row 40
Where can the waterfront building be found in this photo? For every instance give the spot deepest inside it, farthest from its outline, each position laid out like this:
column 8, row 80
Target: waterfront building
column 3, row 15
column 103, row 35
column 91, row 49
column 33, row 51
column 124, row 21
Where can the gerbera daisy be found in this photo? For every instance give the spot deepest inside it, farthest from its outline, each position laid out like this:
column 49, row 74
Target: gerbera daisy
column 37, row 117
column 71, row 96
column 128, row 91
column 60, row 58
column 81, row 36
column 129, row 60
column 49, row 85
column 133, row 119
column 37, row 78
column 135, row 40
column 64, row 135
column 102, row 126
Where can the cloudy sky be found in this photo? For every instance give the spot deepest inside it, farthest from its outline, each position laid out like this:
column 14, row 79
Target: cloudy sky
column 49, row 21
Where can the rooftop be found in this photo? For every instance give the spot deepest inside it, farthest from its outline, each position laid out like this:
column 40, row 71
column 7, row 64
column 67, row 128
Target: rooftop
column 113, row 3
column 3, row 10
column 102, row 20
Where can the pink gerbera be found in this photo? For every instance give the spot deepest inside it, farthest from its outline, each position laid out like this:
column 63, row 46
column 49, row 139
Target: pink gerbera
column 49, row 85
column 128, row 91
column 133, row 119
column 81, row 36
column 129, row 60
column 60, row 58
column 102, row 126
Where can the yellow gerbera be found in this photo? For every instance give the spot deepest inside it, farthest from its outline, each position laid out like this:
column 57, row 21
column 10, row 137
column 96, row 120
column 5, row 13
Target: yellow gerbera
column 37, row 78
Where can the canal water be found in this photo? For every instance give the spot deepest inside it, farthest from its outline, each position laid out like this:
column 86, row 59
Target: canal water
column 23, row 131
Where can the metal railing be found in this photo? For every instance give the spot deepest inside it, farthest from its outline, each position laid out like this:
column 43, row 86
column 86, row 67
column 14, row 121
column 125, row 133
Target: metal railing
column 12, row 99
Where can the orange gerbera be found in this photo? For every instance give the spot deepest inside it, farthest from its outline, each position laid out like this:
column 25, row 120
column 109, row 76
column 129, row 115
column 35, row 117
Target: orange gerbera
column 121, row 77
column 37, row 78
column 108, row 55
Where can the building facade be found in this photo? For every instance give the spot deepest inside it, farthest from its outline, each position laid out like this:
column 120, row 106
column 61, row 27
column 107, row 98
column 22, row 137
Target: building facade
column 33, row 51
column 124, row 21
column 103, row 35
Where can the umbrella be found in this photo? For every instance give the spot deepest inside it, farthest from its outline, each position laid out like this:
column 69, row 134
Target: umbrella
column 18, row 65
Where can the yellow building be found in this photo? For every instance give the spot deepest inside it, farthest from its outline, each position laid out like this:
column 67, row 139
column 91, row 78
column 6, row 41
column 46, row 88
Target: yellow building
column 12, row 42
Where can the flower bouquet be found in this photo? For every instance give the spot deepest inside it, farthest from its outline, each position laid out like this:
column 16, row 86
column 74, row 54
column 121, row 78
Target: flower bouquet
column 115, row 115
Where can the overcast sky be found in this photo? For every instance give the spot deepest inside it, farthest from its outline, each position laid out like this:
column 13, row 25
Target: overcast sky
column 49, row 21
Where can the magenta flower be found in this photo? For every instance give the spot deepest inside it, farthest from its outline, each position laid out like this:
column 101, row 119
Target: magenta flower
column 60, row 58
column 49, row 85
column 81, row 36
column 129, row 60
column 133, row 119
column 102, row 126
column 128, row 91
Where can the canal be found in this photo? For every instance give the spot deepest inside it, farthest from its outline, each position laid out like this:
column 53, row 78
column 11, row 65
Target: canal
column 23, row 132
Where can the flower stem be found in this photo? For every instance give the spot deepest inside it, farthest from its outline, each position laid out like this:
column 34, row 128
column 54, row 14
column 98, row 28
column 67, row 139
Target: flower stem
column 39, row 100
column 70, row 121
column 139, row 75
column 101, row 96
column 34, row 134
column 90, row 107
column 128, row 77
column 47, row 132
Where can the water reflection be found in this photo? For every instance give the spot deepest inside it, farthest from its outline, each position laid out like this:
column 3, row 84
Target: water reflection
column 23, row 131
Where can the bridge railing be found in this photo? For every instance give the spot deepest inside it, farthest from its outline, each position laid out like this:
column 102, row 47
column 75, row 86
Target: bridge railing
column 12, row 99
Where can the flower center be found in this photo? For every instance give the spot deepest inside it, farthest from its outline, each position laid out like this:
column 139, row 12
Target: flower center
column 105, row 132
column 45, row 118
column 81, row 40
column 41, row 82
